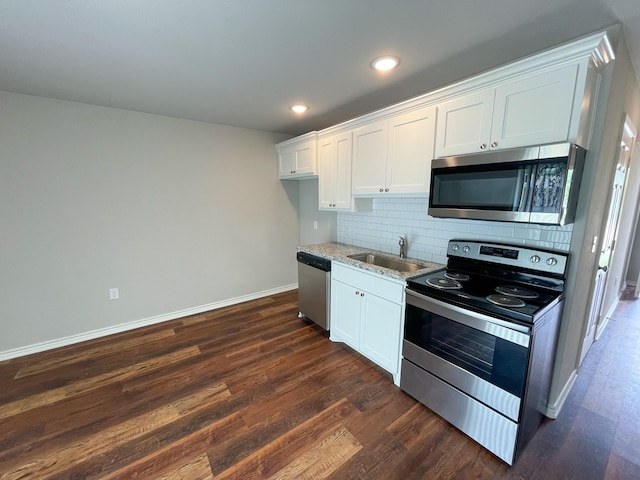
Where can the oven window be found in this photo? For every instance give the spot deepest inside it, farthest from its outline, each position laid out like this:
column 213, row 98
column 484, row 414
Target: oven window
column 498, row 361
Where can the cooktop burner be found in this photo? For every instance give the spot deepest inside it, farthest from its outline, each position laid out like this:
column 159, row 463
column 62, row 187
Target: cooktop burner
column 444, row 283
column 459, row 276
column 514, row 291
column 505, row 300
column 495, row 290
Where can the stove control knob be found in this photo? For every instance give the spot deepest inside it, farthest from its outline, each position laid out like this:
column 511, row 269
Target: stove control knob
column 552, row 261
column 466, row 248
column 535, row 259
column 455, row 247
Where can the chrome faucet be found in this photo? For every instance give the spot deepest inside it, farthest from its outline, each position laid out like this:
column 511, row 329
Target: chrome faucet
column 402, row 244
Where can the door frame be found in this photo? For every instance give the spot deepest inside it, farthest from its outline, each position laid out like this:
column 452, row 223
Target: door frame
column 596, row 320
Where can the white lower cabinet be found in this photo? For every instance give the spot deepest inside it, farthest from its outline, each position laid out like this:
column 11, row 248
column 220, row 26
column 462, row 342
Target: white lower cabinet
column 367, row 313
column 346, row 306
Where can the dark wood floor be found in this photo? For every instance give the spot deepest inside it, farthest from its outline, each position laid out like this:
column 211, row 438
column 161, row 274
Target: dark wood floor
column 251, row 391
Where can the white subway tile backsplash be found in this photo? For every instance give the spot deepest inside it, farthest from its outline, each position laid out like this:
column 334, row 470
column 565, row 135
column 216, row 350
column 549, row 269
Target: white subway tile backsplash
column 480, row 229
column 556, row 236
column 499, row 231
column 526, row 233
column 427, row 237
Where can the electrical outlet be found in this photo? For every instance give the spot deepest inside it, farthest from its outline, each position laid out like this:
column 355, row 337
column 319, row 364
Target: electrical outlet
column 114, row 294
column 315, row 224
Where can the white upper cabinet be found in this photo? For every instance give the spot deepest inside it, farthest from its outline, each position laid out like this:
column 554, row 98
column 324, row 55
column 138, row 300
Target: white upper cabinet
column 297, row 157
column 533, row 110
column 464, row 124
column 545, row 98
column 370, row 158
column 334, row 163
column 393, row 156
column 410, row 151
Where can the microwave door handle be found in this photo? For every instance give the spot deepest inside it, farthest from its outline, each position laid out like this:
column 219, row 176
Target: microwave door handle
column 524, row 190
column 517, row 197
column 532, row 188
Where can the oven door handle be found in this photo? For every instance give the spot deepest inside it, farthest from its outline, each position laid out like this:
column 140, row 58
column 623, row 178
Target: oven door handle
column 511, row 332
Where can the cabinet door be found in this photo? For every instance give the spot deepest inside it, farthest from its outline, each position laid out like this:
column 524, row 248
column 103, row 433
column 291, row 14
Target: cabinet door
column 306, row 158
column 345, row 313
column 344, row 154
column 380, row 331
column 411, row 139
column 297, row 157
column 534, row 110
column 464, row 124
column 334, row 182
column 370, row 158
column 327, row 173
column 286, row 162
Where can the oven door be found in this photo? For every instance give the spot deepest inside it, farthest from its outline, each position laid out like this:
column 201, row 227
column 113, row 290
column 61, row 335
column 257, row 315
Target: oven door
column 484, row 357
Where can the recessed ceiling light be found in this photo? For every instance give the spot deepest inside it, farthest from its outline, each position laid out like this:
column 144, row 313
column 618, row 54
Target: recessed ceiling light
column 299, row 108
column 386, row 63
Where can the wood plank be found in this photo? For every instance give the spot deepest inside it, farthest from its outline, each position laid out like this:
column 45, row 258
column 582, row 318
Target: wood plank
column 170, row 458
column 92, row 353
column 196, row 469
column 419, row 427
column 59, row 458
column 619, row 468
column 82, row 386
column 273, row 457
column 287, row 339
column 322, row 459
column 274, row 414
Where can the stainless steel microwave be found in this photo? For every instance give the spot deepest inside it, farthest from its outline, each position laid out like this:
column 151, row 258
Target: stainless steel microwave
column 532, row 185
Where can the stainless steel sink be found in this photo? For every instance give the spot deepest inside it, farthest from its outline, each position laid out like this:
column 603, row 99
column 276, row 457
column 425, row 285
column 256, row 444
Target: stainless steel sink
column 386, row 262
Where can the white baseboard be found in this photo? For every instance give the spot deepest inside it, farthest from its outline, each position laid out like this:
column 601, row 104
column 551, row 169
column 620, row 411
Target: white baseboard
column 553, row 409
column 103, row 332
column 605, row 320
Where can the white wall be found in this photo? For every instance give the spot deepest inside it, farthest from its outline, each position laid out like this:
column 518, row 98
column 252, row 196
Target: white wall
column 626, row 228
column 634, row 261
column 309, row 213
column 630, row 105
column 177, row 214
column 618, row 90
column 427, row 236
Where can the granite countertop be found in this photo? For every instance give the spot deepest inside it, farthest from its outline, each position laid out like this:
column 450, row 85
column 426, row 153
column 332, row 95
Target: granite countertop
column 341, row 251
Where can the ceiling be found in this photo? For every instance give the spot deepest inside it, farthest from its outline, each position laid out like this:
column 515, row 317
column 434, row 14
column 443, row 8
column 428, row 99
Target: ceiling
column 243, row 62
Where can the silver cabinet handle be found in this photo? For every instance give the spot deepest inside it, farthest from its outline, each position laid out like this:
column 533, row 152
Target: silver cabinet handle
column 494, row 144
column 380, row 190
column 386, row 189
column 483, row 146
column 362, row 294
column 357, row 292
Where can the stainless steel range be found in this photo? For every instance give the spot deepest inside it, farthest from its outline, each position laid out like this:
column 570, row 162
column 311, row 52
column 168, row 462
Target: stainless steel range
column 480, row 339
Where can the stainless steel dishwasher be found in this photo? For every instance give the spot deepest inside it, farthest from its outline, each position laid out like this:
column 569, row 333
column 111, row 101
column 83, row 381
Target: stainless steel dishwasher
column 314, row 287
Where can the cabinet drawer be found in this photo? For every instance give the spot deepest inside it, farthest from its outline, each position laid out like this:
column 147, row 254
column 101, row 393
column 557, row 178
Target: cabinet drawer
column 390, row 289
